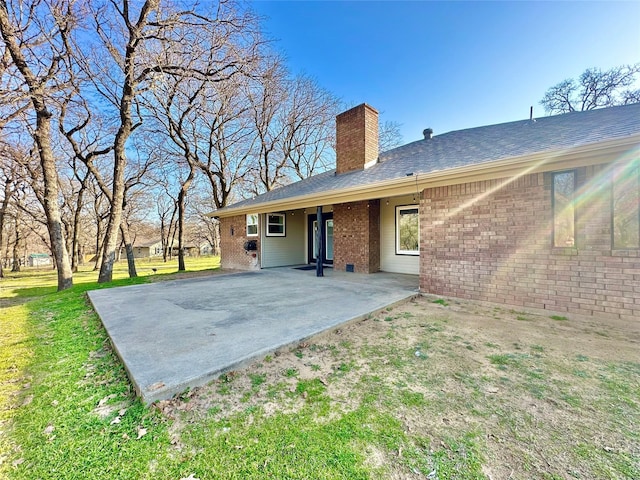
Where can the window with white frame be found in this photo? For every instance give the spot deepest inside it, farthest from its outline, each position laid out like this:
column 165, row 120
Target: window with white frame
column 407, row 230
column 252, row 225
column 275, row 225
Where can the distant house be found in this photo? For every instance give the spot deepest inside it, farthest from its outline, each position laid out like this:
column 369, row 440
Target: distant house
column 205, row 248
column 39, row 260
column 537, row 213
column 146, row 248
column 149, row 248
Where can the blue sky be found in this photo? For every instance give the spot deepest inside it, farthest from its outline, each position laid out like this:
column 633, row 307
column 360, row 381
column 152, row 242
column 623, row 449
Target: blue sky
column 450, row 65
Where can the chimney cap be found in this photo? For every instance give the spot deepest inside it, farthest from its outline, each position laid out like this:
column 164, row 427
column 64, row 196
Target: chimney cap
column 428, row 133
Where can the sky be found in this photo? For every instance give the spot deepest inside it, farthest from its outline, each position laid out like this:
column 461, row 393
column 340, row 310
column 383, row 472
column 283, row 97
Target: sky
column 450, row 65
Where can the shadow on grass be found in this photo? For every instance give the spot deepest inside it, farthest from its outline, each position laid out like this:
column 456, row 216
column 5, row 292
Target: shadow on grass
column 22, row 295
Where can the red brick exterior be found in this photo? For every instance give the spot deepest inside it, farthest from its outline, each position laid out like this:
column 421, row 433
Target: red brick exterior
column 356, row 238
column 233, row 235
column 493, row 241
column 356, row 138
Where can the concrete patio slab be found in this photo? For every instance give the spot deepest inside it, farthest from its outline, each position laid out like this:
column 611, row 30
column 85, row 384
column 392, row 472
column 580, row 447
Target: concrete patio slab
column 183, row 333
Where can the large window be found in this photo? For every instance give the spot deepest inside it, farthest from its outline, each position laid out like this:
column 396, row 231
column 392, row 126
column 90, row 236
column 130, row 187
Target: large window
column 564, row 185
column 252, row 225
column 407, row 230
column 275, row 225
column 626, row 206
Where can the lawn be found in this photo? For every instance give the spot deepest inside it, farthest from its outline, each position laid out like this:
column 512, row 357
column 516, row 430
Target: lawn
column 436, row 389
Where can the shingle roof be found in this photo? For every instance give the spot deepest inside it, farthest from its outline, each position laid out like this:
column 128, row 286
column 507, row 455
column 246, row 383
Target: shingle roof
column 146, row 242
column 473, row 146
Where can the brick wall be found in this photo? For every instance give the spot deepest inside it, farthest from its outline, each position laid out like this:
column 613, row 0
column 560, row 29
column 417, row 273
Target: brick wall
column 356, row 138
column 498, row 247
column 233, row 235
column 356, row 238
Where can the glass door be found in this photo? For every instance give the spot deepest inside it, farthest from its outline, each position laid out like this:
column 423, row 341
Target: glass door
column 327, row 238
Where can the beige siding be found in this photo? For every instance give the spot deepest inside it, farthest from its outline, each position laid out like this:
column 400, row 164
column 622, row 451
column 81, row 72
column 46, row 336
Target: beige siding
column 288, row 250
column 389, row 261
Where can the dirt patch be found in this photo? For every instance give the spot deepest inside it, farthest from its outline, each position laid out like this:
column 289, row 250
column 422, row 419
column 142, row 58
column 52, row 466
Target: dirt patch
column 541, row 396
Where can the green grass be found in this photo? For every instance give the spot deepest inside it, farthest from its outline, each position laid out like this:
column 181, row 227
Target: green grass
column 61, row 386
column 441, row 301
column 257, row 379
column 418, row 404
column 71, row 371
column 290, row 373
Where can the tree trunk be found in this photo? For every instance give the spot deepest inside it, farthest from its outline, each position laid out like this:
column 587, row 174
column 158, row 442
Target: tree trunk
column 3, row 211
column 216, row 239
column 117, row 195
column 172, row 243
column 80, row 254
column 127, row 98
column 42, row 138
column 16, row 251
column 75, row 248
column 163, row 241
column 182, row 196
column 98, row 257
column 128, row 245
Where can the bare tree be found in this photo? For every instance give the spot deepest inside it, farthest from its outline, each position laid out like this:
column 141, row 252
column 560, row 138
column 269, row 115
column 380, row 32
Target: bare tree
column 594, row 88
column 192, row 117
column 23, row 213
column 8, row 189
column 73, row 190
column 19, row 228
column 293, row 119
column 123, row 31
column 137, row 172
column 207, row 228
column 310, row 127
column 38, row 42
column 178, row 113
column 84, row 132
column 267, row 99
column 99, row 214
column 29, row 196
column 390, row 136
column 140, row 44
column 167, row 210
column 227, row 140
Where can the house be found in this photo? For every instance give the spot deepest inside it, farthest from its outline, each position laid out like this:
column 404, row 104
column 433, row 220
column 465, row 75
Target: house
column 39, row 260
column 540, row 213
column 146, row 248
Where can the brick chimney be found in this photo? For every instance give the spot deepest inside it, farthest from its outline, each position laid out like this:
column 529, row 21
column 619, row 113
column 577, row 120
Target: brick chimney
column 356, row 139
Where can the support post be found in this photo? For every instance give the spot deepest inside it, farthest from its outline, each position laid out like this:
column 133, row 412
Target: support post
column 320, row 223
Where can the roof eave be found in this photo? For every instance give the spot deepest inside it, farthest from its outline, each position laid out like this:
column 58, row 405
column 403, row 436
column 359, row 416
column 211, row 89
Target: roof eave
column 512, row 167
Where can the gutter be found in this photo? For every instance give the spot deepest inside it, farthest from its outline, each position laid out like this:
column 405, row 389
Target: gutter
column 513, row 167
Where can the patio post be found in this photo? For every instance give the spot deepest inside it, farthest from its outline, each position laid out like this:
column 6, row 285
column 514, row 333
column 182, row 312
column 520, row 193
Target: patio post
column 319, row 255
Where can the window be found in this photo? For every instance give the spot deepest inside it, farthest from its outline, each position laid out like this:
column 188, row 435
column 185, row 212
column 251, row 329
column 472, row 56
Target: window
column 407, row 230
column 252, row 225
column 626, row 206
column 275, row 225
column 563, row 209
